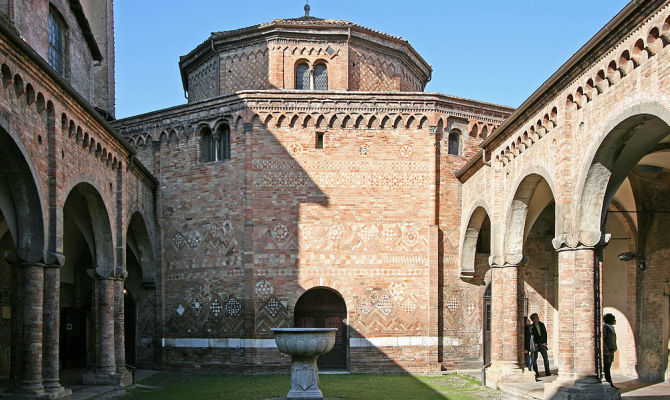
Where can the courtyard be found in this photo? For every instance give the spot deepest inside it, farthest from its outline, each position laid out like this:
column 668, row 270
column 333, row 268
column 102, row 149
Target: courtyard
column 178, row 385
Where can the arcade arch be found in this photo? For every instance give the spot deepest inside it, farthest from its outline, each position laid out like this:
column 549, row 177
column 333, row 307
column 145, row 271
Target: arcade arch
column 477, row 240
column 21, row 273
column 139, row 295
column 520, row 275
column 624, row 193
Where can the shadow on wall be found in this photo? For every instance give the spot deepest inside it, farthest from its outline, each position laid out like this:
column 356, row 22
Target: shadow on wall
column 245, row 236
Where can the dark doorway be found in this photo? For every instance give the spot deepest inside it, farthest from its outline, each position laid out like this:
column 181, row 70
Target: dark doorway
column 486, row 306
column 130, row 324
column 324, row 308
column 73, row 337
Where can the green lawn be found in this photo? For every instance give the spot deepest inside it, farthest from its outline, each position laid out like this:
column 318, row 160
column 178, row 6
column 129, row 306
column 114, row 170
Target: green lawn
column 171, row 385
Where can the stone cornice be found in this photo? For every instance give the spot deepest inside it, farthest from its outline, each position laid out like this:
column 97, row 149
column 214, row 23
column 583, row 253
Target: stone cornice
column 294, row 101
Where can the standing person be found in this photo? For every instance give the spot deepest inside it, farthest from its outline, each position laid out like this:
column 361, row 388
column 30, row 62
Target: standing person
column 527, row 343
column 609, row 345
column 540, row 338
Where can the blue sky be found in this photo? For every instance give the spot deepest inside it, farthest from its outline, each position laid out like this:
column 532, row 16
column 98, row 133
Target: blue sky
column 494, row 51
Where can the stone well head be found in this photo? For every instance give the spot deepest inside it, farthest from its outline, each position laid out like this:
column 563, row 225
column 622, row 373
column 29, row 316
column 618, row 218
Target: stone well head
column 304, row 342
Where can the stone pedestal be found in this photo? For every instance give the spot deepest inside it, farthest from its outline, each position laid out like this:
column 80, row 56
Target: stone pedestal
column 585, row 389
column 507, row 372
column 121, row 378
column 304, row 345
column 304, row 379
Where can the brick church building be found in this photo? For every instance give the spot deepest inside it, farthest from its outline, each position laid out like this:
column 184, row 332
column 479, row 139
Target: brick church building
column 310, row 181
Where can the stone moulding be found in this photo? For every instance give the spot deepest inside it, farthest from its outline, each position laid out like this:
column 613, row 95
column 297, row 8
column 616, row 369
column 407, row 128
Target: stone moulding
column 581, row 239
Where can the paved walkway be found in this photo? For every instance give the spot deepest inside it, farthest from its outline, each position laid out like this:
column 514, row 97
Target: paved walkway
column 71, row 378
column 631, row 388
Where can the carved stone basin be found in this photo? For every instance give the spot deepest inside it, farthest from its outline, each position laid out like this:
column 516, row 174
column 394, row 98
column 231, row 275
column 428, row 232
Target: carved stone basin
column 304, row 345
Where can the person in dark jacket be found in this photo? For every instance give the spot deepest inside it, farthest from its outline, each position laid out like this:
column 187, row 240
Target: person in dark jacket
column 609, row 345
column 527, row 343
column 539, row 332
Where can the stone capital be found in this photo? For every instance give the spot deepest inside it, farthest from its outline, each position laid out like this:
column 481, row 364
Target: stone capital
column 120, row 274
column 514, row 260
column 580, row 240
column 14, row 259
column 507, row 261
column 495, row 262
column 100, row 273
column 54, row 259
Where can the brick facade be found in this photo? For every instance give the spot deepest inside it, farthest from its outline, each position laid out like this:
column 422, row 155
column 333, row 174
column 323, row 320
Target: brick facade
column 75, row 186
column 557, row 154
column 282, row 216
column 177, row 262
column 265, row 56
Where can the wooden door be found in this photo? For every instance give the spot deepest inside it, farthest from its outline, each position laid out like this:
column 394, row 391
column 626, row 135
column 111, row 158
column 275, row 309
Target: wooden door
column 323, row 308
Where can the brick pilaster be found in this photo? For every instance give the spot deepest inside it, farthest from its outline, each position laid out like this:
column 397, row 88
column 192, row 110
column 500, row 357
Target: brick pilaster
column 576, row 305
column 119, row 324
column 105, row 346
column 30, row 370
column 51, row 328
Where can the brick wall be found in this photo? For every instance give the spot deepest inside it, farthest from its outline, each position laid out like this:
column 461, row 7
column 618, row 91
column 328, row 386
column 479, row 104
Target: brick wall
column 64, row 145
column 243, row 238
column 31, row 20
column 572, row 124
column 372, row 71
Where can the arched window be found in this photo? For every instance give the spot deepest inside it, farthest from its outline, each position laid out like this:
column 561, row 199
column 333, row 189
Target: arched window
column 215, row 146
column 302, row 76
column 454, row 138
column 207, row 153
column 321, row 77
column 223, row 141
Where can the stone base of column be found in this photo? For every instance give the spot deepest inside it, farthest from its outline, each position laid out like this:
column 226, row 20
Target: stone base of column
column 60, row 394
column 507, row 372
column 122, row 378
column 589, row 388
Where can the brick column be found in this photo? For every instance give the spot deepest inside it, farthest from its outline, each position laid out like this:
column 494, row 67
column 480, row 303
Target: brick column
column 105, row 346
column 505, row 325
column 119, row 326
column 504, row 318
column 16, row 325
column 51, row 333
column 29, row 372
column 577, row 378
column 576, row 305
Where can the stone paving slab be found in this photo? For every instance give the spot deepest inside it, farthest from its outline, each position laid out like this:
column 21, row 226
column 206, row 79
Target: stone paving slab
column 631, row 388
